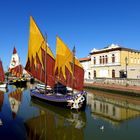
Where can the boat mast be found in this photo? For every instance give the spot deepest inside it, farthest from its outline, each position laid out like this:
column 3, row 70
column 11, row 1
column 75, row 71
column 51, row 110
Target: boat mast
column 73, row 63
column 45, row 61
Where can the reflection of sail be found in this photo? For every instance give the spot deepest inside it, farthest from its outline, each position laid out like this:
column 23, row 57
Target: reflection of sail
column 55, row 123
column 2, row 76
column 1, row 99
column 114, row 109
column 15, row 100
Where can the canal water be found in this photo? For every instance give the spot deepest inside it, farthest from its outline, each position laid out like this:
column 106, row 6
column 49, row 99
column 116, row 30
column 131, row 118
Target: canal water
column 106, row 117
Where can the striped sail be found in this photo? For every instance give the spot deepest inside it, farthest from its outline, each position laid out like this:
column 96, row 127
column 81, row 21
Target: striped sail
column 40, row 60
column 65, row 72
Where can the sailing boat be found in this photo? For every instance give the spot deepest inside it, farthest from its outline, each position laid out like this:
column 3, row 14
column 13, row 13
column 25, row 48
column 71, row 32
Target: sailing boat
column 15, row 101
column 16, row 70
column 2, row 77
column 40, row 61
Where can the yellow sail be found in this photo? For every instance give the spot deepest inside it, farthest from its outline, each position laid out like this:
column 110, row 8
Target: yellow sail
column 36, row 42
column 64, row 57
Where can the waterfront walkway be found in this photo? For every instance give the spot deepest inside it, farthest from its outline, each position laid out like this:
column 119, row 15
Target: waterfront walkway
column 113, row 87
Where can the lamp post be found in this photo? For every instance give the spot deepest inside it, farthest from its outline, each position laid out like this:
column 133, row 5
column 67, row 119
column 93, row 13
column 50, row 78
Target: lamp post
column 126, row 63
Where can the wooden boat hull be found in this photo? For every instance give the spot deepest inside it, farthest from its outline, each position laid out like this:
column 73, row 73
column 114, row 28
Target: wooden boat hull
column 19, row 83
column 77, row 101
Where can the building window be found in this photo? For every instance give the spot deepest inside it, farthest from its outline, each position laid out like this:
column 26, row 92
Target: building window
column 94, row 60
column 94, row 73
column 113, row 58
column 113, row 73
column 89, row 75
column 106, row 59
column 135, row 60
column 100, row 60
column 103, row 59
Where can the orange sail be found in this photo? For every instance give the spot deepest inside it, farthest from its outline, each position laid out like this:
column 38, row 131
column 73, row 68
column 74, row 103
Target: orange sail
column 15, row 67
column 40, row 60
column 68, row 72
column 2, row 75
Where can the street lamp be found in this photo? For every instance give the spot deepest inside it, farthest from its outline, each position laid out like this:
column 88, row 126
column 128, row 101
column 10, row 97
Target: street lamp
column 126, row 63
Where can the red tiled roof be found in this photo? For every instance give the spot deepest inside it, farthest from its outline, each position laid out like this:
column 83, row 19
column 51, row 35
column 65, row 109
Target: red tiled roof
column 85, row 59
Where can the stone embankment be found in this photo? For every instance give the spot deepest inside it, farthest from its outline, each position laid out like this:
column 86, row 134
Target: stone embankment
column 114, row 88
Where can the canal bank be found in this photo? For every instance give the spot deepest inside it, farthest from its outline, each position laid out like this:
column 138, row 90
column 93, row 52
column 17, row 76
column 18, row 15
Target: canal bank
column 113, row 88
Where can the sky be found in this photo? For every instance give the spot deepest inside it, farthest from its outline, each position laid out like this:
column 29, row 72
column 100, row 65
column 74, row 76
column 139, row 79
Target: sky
column 85, row 24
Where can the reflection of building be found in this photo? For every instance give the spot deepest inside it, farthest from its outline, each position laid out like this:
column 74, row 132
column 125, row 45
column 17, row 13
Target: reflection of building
column 113, row 109
column 114, row 61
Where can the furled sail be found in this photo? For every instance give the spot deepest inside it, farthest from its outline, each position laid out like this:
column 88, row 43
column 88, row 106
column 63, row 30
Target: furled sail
column 2, row 76
column 15, row 101
column 40, row 60
column 65, row 72
column 15, row 67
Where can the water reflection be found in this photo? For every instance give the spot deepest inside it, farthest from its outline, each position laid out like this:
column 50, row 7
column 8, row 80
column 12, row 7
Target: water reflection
column 55, row 123
column 113, row 108
column 24, row 118
column 15, row 101
column 1, row 99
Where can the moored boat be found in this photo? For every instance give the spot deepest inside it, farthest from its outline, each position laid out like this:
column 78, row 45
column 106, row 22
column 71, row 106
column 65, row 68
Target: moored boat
column 68, row 71
column 2, row 77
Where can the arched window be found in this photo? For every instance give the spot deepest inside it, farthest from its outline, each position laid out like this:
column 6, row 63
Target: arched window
column 113, row 58
column 113, row 73
column 103, row 59
column 94, row 73
column 100, row 60
column 106, row 59
column 94, row 60
column 89, row 75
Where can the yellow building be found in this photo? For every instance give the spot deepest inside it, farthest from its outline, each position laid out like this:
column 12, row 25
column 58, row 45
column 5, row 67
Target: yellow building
column 115, row 61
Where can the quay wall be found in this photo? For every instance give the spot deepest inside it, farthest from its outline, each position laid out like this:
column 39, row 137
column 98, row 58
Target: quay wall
column 130, row 87
column 116, row 81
